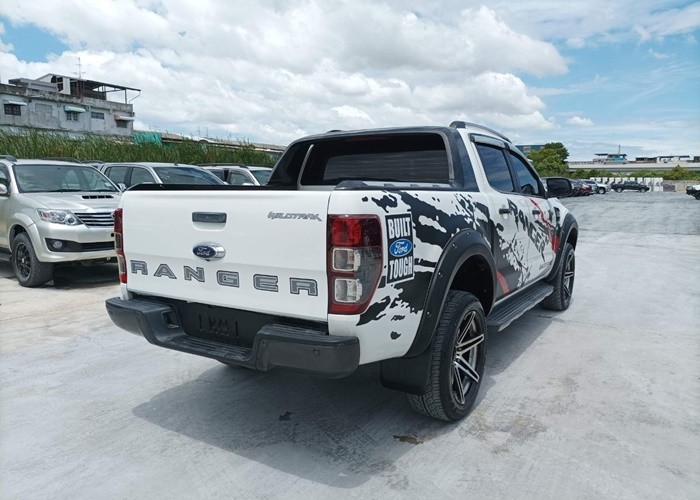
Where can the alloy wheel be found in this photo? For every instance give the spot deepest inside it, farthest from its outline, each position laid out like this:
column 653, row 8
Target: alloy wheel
column 569, row 270
column 24, row 262
column 464, row 373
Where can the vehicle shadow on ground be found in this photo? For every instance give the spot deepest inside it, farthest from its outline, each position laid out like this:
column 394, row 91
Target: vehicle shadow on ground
column 336, row 432
column 81, row 276
column 73, row 276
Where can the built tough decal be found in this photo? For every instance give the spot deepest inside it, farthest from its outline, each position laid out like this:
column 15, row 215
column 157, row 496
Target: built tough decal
column 399, row 229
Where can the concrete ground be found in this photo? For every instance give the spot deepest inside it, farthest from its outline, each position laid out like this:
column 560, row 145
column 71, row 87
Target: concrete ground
column 601, row 400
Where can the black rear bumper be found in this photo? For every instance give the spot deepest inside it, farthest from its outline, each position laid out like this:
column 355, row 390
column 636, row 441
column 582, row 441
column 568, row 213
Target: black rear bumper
column 298, row 348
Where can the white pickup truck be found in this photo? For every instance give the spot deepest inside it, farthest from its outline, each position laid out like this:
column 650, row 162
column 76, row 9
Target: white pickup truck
column 401, row 246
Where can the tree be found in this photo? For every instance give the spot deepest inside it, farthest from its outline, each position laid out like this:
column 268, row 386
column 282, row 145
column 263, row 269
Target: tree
column 550, row 160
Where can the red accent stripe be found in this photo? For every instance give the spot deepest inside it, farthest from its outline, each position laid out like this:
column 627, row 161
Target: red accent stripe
column 502, row 282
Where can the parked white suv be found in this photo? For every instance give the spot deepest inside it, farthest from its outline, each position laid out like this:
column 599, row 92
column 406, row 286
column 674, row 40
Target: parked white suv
column 53, row 212
column 240, row 175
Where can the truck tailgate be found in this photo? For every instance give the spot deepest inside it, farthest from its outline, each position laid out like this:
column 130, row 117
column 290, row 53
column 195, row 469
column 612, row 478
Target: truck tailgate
column 274, row 244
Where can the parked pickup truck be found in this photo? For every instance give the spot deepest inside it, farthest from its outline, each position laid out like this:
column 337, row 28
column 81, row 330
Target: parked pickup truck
column 400, row 246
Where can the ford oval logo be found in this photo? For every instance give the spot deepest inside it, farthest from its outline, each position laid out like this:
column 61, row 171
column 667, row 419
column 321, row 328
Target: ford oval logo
column 209, row 251
column 401, row 247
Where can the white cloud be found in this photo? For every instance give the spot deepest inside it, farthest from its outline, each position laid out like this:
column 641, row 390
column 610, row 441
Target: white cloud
column 658, row 55
column 579, row 121
column 276, row 69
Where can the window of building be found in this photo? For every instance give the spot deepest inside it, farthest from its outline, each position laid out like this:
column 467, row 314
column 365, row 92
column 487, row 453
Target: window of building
column 97, row 115
column 13, row 109
column 496, row 168
column 72, row 116
column 528, row 181
column 122, row 124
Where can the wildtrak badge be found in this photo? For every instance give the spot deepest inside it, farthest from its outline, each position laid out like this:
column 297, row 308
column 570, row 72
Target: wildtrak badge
column 295, row 216
column 399, row 231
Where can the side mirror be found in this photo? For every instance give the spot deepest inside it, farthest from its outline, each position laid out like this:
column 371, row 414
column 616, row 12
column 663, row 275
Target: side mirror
column 559, row 187
column 121, row 186
column 3, row 190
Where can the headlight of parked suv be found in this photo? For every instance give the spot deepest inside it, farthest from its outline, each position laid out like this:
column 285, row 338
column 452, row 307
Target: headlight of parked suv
column 59, row 217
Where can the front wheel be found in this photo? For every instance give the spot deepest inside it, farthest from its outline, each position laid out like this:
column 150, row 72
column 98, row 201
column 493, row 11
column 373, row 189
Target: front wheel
column 458, row 359
column 29, row 270
column 563, row 281
column 601, row 190
column 618, row 190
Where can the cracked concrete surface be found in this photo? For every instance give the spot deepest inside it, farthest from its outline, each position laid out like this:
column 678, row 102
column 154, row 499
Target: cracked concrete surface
column 602, row 400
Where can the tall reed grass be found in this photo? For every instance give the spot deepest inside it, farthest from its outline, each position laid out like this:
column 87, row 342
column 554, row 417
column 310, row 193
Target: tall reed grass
column 37, row 144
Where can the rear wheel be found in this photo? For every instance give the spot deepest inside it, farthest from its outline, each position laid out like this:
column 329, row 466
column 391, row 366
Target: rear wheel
column 458, row 359
column 29, row 270
column 618, row 190
column 563, row 281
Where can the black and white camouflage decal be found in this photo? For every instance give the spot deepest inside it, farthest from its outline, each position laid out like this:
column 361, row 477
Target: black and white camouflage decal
column 397, row 306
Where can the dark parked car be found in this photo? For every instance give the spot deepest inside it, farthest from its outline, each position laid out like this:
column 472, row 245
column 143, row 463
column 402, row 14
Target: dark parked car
column 693, row 191
column 619, row 187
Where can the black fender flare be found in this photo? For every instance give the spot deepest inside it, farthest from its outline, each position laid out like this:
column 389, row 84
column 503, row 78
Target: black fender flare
column 410, row 372
column 569, row 225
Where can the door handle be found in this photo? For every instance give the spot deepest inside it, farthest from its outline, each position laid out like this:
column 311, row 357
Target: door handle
column 504, row 211
column 536, row 212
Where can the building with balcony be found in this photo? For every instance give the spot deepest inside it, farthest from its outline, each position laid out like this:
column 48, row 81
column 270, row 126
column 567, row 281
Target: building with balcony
column 65, row 104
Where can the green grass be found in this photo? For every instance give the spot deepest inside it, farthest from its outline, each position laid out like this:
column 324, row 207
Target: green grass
column 37, row 144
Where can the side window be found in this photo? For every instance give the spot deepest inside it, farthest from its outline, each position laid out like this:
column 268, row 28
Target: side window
column 238, row 178
column 139, row 175
column 117, row 174
column 4, row 180
column 528, row 182
column 496, row 168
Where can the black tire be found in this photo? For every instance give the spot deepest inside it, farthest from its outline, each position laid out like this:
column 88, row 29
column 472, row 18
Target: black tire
column 563, row 281
column 697, row 196
column 601, row 190
column 448, row 396
column 618, row 190
column 30, row 272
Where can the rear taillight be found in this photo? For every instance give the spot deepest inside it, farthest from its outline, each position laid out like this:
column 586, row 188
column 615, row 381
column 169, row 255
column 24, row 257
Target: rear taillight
column 354, row 262
column 119, row 244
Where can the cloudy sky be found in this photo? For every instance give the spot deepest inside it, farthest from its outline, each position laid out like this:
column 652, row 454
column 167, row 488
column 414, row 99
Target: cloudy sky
column 593, row 74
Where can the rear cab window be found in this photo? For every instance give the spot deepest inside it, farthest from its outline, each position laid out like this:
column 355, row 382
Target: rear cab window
column 418, row 158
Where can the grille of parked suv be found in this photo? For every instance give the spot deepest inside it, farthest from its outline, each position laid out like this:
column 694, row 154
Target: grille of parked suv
column 98, row 197
column 102, row 219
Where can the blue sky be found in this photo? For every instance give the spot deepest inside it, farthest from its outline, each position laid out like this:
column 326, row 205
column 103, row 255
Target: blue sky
column 592, row 75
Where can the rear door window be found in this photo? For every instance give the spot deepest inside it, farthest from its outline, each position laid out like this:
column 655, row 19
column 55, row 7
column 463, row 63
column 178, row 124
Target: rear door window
column 496, row 168
column 238, row 178
column 139, row 175
column 117, row 174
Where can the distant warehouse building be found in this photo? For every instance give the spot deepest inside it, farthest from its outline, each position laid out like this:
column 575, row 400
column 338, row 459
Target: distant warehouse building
column 65, row 104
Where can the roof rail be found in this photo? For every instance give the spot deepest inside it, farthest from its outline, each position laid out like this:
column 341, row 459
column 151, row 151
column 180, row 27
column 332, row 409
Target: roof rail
column 334, row 130
column 461, row 124
column 61, row 158
column 8, row 157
